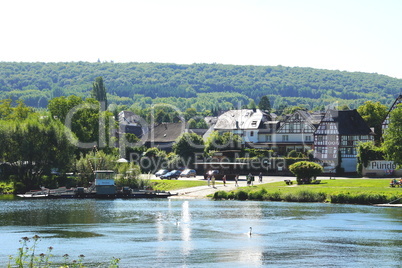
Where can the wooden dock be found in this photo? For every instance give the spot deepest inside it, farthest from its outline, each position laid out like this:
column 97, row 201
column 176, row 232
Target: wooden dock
column 389, row 205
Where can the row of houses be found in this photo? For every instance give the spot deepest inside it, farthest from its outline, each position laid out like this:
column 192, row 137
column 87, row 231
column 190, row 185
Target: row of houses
column 333, row 135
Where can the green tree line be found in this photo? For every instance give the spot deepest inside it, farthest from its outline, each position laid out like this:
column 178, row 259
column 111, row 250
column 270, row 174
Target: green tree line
column 199, row 86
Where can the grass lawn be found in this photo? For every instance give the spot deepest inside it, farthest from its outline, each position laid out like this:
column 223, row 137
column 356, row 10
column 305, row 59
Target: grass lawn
column 169, row 185
column 338, row 186
column 354, row 191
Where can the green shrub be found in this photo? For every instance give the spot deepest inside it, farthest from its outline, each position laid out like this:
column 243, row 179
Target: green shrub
column 363, row 199
column 260, row 194
column 241, row 195
column 49, row 181
column 19, row 187
column 305, row 170
column 291, row 160
column 219, row 195
column 231, row 195
column 293, row 154
column 6, row 188
column 275, row 196
column 305, row 196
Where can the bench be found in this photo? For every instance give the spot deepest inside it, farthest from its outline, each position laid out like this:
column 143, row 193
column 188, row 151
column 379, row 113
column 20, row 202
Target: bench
column 288, row 182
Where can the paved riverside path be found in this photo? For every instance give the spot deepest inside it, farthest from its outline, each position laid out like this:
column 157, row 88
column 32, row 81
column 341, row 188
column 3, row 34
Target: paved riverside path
column 200, row 192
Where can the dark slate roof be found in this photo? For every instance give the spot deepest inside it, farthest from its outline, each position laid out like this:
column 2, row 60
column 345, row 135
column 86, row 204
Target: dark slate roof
column 166, row 132
column 198, row 131
column 269, row 127
column 349, row 122
column 314, row 118
column 132, row 129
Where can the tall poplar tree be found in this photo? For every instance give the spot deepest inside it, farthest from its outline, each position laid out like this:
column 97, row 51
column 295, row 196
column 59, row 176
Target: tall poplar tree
column 99, row 90
column 265, row 104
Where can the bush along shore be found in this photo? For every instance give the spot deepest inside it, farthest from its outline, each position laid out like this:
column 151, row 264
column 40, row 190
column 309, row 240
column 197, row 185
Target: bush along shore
column 351, row 191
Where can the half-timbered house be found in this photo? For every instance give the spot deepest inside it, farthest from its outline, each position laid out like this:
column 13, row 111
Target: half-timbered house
column 336, row 139
column 297, row 132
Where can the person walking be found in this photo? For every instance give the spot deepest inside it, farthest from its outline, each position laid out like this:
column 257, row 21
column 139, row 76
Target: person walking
column 260, row 176
column 209, row 180
column 224, row 180
column 213, row 181
column 237, row 180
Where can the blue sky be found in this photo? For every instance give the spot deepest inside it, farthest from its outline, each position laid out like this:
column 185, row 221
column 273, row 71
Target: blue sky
column 346, row 35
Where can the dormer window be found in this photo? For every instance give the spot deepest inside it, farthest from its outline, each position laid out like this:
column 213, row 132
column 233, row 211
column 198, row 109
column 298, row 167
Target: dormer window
column 254, row 123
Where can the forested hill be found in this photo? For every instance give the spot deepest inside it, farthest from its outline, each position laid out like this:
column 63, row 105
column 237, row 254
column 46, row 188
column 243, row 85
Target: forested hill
column 202, row 86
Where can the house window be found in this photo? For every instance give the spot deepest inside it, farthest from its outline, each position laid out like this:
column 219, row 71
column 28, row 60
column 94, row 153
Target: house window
column 269, row 138
column 348, row 152
column 254, row 123
column 285, row 138
column 308, row 138
column 251, row 133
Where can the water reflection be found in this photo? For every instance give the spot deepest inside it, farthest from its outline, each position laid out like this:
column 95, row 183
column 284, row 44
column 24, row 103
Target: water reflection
column 186, row 230
column 160, row 226
column 206, row 233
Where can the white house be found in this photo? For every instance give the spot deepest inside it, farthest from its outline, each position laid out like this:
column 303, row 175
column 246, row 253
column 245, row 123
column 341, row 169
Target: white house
column 257, row 129
column 246, row 123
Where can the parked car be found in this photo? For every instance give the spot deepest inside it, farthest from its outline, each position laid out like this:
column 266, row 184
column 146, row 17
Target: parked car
column 161, row 172
column 188, row 173
column 174, row 174
column 212, row 172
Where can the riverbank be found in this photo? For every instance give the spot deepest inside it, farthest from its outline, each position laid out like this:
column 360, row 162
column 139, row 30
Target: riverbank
column 205, row 191
column 349, row 191
column 273, row 188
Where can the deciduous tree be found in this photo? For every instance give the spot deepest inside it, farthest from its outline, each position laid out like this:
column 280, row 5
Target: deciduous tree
column 392, row 144
column 374, row 114
column 187, row 145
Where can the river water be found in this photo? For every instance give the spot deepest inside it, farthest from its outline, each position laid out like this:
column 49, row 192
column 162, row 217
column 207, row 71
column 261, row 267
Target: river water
column 204, row 233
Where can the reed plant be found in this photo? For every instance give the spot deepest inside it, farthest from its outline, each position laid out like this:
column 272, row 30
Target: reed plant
column 27, row 257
